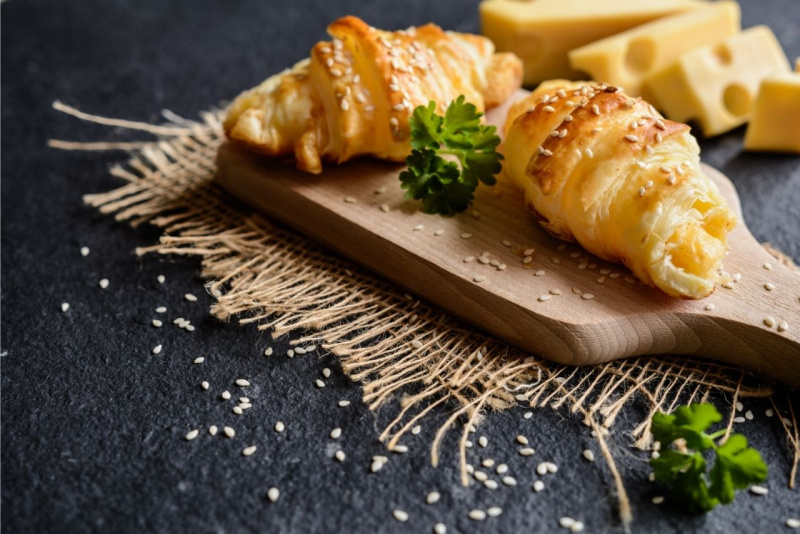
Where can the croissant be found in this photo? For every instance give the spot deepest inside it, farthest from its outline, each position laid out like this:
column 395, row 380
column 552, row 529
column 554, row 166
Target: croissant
column 354, row 95
column 606, row 170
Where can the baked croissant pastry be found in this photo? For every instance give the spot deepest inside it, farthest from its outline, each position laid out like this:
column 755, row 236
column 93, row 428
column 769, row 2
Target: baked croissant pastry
column 606, row 170
column 354, row 95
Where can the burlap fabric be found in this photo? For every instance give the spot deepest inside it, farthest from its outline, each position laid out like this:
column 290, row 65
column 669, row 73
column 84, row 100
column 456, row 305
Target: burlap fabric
column 394, row 344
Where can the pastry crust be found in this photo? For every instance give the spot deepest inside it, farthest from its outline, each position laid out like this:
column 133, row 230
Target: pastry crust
column 355, row 94
column 606, row 170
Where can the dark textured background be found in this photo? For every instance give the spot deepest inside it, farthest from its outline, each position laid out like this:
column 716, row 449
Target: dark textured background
column 93, row 423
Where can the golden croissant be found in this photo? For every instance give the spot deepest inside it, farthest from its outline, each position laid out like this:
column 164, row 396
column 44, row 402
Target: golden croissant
column 354, row 95
column 606, row 170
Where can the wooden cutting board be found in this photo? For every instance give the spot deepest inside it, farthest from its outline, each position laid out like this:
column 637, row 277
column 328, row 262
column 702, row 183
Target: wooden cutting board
column 358, row 209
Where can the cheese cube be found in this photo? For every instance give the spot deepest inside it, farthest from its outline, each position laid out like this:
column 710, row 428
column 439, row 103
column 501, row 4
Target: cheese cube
column 626, row 59
column 542, row 32
column 775, row 124
column 715, row 85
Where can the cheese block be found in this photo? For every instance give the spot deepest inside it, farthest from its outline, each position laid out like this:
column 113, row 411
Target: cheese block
column 797, row 65
column 628, row 58
column 775, row 122
column 715, row 85
column 542, row 32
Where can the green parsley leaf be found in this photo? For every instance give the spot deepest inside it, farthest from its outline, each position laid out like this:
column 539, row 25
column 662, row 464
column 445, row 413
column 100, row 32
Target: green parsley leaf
column 447, row 186
column 683, row 468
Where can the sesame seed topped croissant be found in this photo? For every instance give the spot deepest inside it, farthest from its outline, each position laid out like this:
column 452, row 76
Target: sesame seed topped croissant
column 355, row 94
column 606, row 170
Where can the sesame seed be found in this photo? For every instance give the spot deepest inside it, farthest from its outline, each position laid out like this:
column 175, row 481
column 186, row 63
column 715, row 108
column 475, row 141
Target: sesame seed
column 350, row 200
column 226, row 395
column 228, row 431
column 483, row 441
column 549, row 109
column 769, row 412
column 439, row 528
column 554, row 133
column 769, row 286
column 238, row 410
column 376, row 466
column 509, row 481
column 641, row 164
column 64, row 306
column 577, row 526
column 241, row 382
column 84, row 251
column 538, row 486
column 658, row 137
column 335, row 72
column 601, row 279
column 544, row 298
column 658, row 499
column 468, row 259
column 190, row 297
column 562, row 134
column 547, row 153
column 104, row 283
column 480, row 476
column 739, row 419
column 273, row 494
column 728, row 285
column 540, row 272
column 398, row 107
column 417, row 344
column 793, row 523
column 477, row 515
column 248, row 451
column 212, row 430
column 739, row 406
column 589, row 153
column 748, row 415
column 268, row 351
column 671, row 179
column 494, row 511
column 642, row 191
column 192, row 434
column 709, row 307
column 555, row 259
column 527, row 415
column 319, row 383
column 400, row 515
column 479, row 278
column 587, row 296
column 385, row 208
column 344, row 403
column 783, row 326
column 595, row 109
column 344, row 104
column 416, row 430
column 433, row 497
column 768, row 266
column 488, row 462
column 527, row 451
column 568, row 118
column 205, row 385
column 418, row 227
column 660, row 124
column 438, row 232
column 632, row 138
column 157, row 349
column 566, row 522
column 769, row 321
column 466, row 235
column 340, row 456
column 199, row 360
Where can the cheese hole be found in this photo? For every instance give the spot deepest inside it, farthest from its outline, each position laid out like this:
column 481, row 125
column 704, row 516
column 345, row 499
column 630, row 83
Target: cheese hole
column 723, row 55
column 640, row 55
column 737, row 100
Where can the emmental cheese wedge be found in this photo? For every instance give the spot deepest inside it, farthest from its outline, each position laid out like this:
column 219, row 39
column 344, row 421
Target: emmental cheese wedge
column 775, row 124
column 628, row 58
column 542, row 32
column 715, row 85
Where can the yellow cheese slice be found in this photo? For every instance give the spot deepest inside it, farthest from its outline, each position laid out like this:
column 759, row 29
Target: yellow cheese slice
column 775, row 123
column 626, row 59
column 715, row 85
column 542, row 32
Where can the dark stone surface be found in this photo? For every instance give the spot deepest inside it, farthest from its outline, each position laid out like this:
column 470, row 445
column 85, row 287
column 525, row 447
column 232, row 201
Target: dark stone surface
column 93, row 423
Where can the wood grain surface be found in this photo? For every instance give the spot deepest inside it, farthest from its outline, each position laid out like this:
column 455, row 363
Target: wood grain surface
column 358, row 209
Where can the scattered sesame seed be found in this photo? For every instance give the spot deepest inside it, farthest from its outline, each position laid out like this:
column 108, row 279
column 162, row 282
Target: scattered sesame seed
column 385, row 208
column 549, row 109
column 538, row 486
column 64, row 306
column 479, row 278
column 212, row 430
column 494, row 511
column 483, row 441
column 198, row 360
column 319, row 383
column 344, row 403
column 547, row 153
column 544, row 298
column 192, row 434
column 587, row 296
column 439, row 528
column 589, row 153
column 527, row 451
column 433, row 497
column 340, row 456
column 748, row 415
column 226, row 395
column 709, row 307
column 555, row 259
column 577, row 526
column 739, row 419
column 658, row 137
column 641, row 191
column 658, row 499
column 241, row 382
column 769, row 412
column 438, row 232
column 566, row 522
column 527, row 415
column 204, row 384
column 769, row 321
column 238, row 410
column 632, row 138
column 671, row 180
column 595, row 109
column 600, row 279
column 273, row 494
column 84, row 251
column 248, row 451
column 104, row 283
column 400, row 515
column 350, row 200
column 660, row 124
column 728, row 285
column 768, row 266
column 468, row 259
column 783, row 326
column 793, row 523
column 416, row 430
column 522, row 440
column 157, row 349
column 540, row 272
column 190, row 297
column 466, row 235
column 509, row 481
column 554, row 133
column 588, row 455
column 477, row 515
column 228, row 431
column 769, row 286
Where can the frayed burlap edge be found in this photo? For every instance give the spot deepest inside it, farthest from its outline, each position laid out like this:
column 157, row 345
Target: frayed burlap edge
column 392, row 343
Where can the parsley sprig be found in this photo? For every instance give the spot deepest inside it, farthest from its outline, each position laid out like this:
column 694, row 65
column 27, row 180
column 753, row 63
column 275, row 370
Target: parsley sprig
column 443, row 186
column 683, row 467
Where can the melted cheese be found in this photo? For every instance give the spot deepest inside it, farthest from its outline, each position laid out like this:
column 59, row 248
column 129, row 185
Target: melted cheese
column 628, row 58
column 775, row 124
column 542, row 32
column 715, row 85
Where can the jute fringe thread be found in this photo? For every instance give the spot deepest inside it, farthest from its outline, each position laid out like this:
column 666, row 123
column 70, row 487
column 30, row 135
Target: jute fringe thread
column 392, row 343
